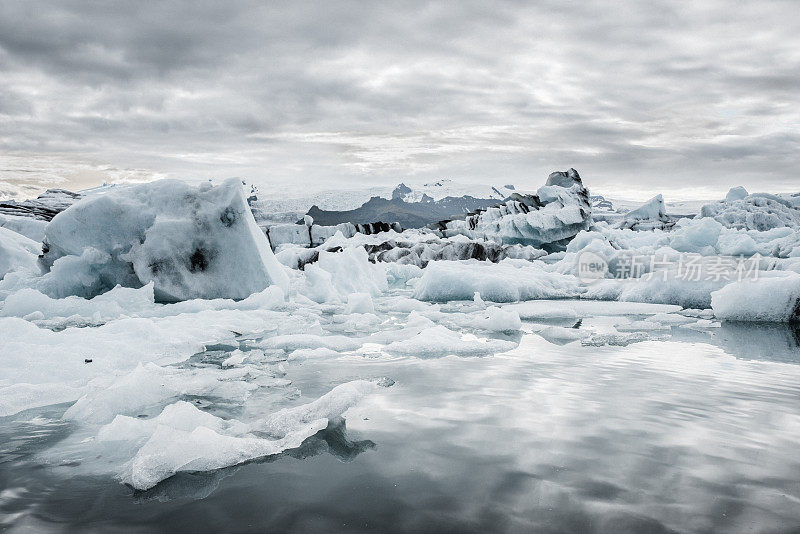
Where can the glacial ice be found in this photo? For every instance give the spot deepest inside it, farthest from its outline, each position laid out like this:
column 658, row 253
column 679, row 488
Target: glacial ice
column 190, row 385
column 667, row 286
column 23, row 396
column 30, row 228
column 772, row 297
column 191, row 242
column 559, row 210
column 507, row 281
column 736, row 193
column 439, row 340
column 650, row 215
column 149, row 385
column 756, row 211
column 336, row 275
column 184, row 438
column 17, row 252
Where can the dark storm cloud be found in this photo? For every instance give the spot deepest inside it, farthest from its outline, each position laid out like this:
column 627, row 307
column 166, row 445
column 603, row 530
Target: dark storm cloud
column 640, row 96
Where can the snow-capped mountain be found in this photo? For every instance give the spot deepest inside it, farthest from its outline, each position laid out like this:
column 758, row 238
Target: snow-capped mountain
column 414, row 204
column 448, row 188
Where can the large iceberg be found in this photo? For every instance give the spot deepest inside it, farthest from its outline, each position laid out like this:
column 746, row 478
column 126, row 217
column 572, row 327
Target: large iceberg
column 756, row 211
column 549, row 219
column 190, row 241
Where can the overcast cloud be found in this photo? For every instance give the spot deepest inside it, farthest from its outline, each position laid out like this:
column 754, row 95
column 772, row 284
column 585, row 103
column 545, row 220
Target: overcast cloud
column 685, row 98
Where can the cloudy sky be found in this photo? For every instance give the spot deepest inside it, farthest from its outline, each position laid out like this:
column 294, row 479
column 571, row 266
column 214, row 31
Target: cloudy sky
column 685, row 98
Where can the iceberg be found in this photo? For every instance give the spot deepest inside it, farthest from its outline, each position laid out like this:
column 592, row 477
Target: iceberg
column 30, row 228
column 507, row 281
column 549, row 219
column 774, row 299
column 650, row 215
column 189, row 241
column 184, row 438
column 736, row 193
column 756, row 211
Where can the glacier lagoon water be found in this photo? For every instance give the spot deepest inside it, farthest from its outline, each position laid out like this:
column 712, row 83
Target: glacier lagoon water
column 695, row 432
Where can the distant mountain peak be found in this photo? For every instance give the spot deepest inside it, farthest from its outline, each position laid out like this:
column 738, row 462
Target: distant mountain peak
column 400, row 191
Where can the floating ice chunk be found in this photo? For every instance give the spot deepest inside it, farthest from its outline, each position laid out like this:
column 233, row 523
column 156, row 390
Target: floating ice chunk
column 758, row 211
column 353, row 273
column 659, row 287
column 653, row 209
column 507, row 281
column 698, row 313
column 403, row 304
column 39, row 356
column 441, row 341
column 574, row 309
column 111, row 305
column 237, row 357
column 635, row 326
column 312, row 354
column 17, row 252
column 18, row 397
column 318, row 285
column 619, row 340
column 282, row 234
column 672, row 319
column 696, row 235
column 149, row 385
column 702, row 324
column 398, row 274
column 766, row 299
column 183, row 438
column 559, row 210
column 734, row 243
column 561, row 334
column 736, row 193
column 359, row 303
column 650, row 215
column 189, row 241
column 338, row 274
column 495, row 319
column 170, row 450
column 30, row 228
column 291, row 342
column 332, row 404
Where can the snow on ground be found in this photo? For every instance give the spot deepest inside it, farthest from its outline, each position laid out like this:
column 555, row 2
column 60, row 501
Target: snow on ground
column 165, row 360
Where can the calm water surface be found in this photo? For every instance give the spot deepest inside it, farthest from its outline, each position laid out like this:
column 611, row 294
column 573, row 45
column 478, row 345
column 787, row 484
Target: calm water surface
column 698, row 433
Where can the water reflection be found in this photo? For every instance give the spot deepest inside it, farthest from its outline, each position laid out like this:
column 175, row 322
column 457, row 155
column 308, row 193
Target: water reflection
column 331, row 440
column 698, row 433
column 769, row 342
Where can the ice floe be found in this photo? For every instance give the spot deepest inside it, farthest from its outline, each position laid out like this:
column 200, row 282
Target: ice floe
column 191, row 242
